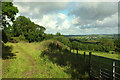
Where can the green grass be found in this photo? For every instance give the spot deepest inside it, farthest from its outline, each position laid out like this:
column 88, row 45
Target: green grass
column 103, row 54
column 29, row 64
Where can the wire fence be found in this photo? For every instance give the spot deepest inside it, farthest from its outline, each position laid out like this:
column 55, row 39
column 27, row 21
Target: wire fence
column 103, row 68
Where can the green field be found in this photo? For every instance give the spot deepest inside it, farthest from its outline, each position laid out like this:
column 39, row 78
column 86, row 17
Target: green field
column 36, row 60
column 103, row 54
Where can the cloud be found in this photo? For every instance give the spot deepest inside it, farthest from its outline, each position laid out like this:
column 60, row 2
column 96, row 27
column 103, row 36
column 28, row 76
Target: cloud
column 72, row 18
column 64, row 25
column 89, row 12
column 52, row 23
column 62, row 16
column 95, row 17
column 75, row 20
column 38, row 9
column 48, row 21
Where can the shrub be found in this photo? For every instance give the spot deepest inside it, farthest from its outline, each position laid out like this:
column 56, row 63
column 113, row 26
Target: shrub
column 21, row 37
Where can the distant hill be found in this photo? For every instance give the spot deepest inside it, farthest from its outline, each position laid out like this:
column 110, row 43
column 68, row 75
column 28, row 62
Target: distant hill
column 94, row 35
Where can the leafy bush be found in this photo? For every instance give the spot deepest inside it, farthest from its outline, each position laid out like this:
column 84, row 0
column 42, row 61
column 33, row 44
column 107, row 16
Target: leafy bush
column 48, row 36
column 63, row 40
column 14, row 39
column 22, row 37
column 117, row 45
column 4, row 36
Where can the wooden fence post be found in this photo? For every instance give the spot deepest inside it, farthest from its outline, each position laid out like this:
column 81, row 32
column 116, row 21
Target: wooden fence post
column 70, row 50
column 84, row 58
column 90, row 60
column 100, row 72
column 113, row 70
column 77, row 51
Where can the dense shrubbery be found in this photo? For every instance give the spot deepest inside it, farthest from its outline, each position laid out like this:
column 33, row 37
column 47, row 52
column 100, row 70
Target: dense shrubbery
column 104, row 45
column 63, row 40
column 22, row 37
column 48, row 36
column 117, row 45
column 29, row 30
column 25, row 29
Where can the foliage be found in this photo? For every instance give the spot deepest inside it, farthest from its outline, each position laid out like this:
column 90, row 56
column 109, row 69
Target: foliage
column 4, row 36
column 63, row 40
column 83, row 46
column 103, row 45
column 117, row 45
column 107, row 44
column 22, row 37
column 75, row 45
column 8, row 15
column 58, row 34
column 8, row 11
column 31, row 31
column 48, row 36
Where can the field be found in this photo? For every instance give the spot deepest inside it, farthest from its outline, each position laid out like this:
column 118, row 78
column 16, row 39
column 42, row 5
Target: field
column 36, row 60
column 103, row 54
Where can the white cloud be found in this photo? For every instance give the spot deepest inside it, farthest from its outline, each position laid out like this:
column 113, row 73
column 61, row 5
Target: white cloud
column 48, row 21
column 87, row 18
column 64, row 25
column 38, row 9
column 62, row 16
column 23, row 9
column 75, row 20
column 109, row 22
column 90, row 12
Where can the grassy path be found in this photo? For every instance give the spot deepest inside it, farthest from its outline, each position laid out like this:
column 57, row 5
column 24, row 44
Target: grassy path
column 18, row 67
column 30, row 59
column 29, row 64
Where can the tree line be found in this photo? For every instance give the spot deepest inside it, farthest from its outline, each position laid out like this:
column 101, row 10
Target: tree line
column 104, row 45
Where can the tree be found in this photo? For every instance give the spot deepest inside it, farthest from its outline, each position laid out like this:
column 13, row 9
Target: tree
column 63, row 40
column 4, row 36
column 117, row 45
column 22, row 25
column 75, row 45
column 106, row 44
column 48, row 36
column 8, row 12
column 58, row 34
column 32, row 32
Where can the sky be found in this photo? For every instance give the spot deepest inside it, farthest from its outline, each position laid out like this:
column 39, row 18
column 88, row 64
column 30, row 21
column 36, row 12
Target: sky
column 72, row 18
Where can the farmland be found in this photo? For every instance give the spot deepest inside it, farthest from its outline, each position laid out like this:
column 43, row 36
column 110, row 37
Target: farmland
column 38, row 60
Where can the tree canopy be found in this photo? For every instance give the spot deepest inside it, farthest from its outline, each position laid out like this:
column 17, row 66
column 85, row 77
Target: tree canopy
column 8, row 15
column 24, row 26
column 8, row 12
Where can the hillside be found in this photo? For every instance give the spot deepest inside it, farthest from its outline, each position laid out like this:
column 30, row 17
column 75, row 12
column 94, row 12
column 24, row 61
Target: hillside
column 27, row 62
column 34, row 60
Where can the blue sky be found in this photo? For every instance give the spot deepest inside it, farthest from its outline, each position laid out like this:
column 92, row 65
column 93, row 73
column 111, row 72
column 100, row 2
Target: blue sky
column 72, row 18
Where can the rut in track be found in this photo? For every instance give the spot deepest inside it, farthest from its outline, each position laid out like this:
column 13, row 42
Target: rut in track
column 31, row 62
